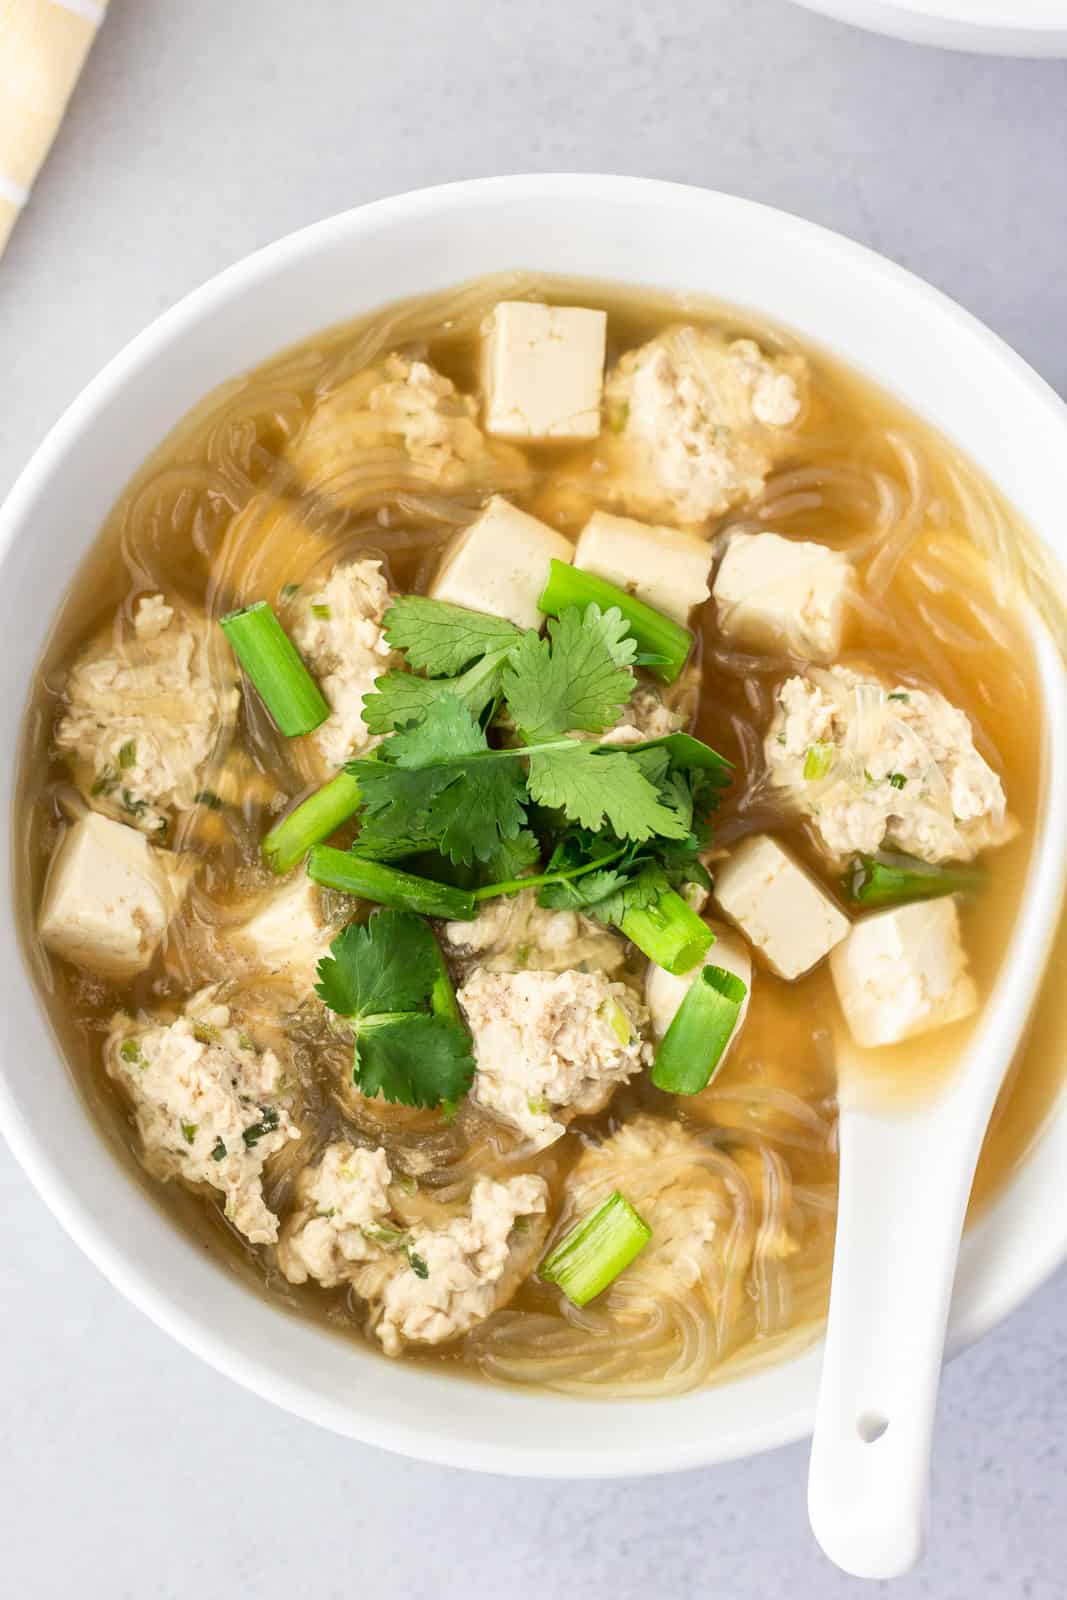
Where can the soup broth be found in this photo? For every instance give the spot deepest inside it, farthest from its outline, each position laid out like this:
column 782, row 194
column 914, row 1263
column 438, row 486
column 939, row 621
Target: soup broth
column 239, row 506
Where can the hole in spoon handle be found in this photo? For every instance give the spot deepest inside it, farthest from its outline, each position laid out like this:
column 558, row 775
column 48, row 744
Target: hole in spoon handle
column 871, row 1426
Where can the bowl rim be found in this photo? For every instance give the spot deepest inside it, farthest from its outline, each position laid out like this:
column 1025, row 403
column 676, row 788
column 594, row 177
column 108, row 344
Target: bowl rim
column 1015, row 1280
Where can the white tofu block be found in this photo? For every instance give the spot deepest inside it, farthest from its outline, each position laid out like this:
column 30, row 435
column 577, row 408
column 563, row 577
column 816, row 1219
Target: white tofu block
column 774, row 594
column 543, row 371
column 903, row 972
column 665, row 991
column 778, row 906
column 108, row 897
column 666, row 569
column 500, row 564
column 288, row 935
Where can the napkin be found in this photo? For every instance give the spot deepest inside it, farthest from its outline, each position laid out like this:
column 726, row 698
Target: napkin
column 43, row 46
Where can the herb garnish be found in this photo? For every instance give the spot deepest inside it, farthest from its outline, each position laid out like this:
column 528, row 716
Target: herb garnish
column 381, row 979
column 267, row 1124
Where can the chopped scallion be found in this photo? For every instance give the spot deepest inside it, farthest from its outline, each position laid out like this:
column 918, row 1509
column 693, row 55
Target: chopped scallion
column 818, row 759
column 596, row 1250
column 388, row 886
column 655, row 634
column 617, row 1021
column 275, row 669
column 388, row 1238
column 417, row 1264
column 259, row 1130
column 890, row 879
column 128, row 754
column 218, row 1151
column 696, row 1040
column 669, row 932
column 896, row 780
column 313, row 820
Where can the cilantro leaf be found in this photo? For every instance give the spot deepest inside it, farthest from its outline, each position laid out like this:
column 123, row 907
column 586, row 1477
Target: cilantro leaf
column 644, row 889
column 401, row 697
column 446, row 732
column 418, row 1060
column 441, row 639
column 472, row 818
column 439, row 785
column 513, row 857
column 381, row 978
column 577, row 678
column 389, row 964
column 592, row 787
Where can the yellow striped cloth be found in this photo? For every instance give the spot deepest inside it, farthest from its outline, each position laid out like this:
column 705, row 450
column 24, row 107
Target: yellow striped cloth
column 43, row 46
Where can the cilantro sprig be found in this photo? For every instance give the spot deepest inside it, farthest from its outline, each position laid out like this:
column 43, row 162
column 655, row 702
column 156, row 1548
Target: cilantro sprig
column 388, row 981
column 579, row 677
column 489, row 779
column 438, row 785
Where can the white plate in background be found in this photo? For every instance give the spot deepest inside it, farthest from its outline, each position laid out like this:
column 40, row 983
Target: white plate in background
column 995, row 27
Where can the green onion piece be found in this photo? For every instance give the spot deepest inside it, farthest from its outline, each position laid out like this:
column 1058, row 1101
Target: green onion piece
column 818, row 759
column 890, row 879
column 259, row 1130
column 596, row 1250
column 669, row 932
column 279, row 676
column 696, row 1040
column 313, row 820
column 417, row 1264
column 654, row 633
column 388, row 886
column 443, row 1002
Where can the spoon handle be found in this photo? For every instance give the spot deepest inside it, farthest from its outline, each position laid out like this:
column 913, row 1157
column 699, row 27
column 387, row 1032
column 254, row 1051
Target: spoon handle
column 904, row 1185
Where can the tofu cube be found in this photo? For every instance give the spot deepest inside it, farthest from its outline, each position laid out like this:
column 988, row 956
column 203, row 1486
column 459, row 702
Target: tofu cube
column 108, row 898
column 666, row 569
column 500, row 564
column 903, row 972
column 778, row 906
column 782, row 594
column 288, row 936
column 543, row 371
column 665, row 991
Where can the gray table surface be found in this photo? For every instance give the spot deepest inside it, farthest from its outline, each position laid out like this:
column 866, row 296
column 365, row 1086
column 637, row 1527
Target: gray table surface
column 198, row 132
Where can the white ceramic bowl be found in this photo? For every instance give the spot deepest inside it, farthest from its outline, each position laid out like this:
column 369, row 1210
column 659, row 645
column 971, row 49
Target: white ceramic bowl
column 903, row 334
column 995, row 27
